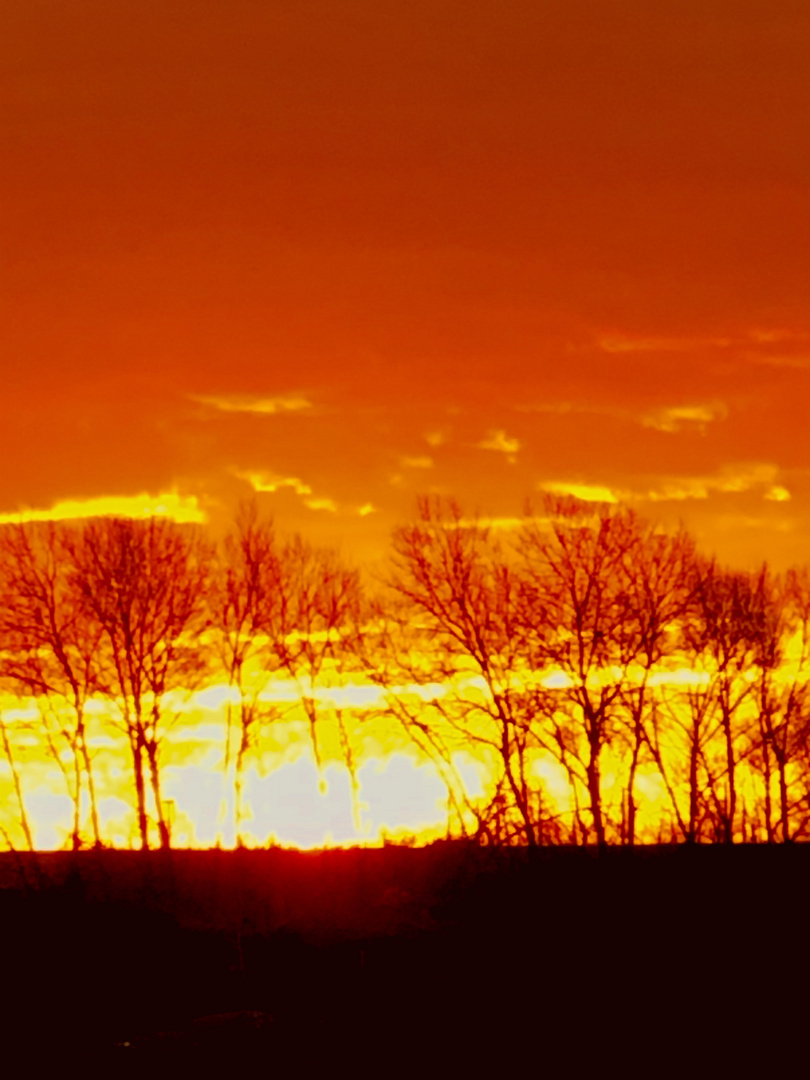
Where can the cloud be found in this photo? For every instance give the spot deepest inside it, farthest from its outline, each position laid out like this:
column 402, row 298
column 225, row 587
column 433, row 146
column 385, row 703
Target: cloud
column 629, row 343
column 585, row 492
column 435, row 438
column 253, row 403
column 735, row 522
column 753, row 345
column 180, row 508
column 321, row 504
column 501, row 443
column 366, row 509
column 507, row 523
column 261, row 481
column 668, row 418
column 773, row 335
column 423, row 462
column 801, row 363
column 673, row 418
column 733, row 479
column 264, row 482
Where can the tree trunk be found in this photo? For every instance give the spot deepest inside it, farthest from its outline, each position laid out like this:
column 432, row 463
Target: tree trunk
column 766, row 777
column 91, row 788
column 136, row 745
column 694, row 753
column 525, row 813
column 731, row 800
column 26, row 828
column 630, row 837
column 154, row 776
column 595, row 793
column 783, row 800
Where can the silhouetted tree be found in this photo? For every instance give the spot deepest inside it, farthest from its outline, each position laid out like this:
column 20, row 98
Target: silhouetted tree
column 462, row 635
column 312, row 623
column 245, row 609
column 398, row 654
column 782, row 695
column 16, row 780
column 600, row 592
column 144, row 583
column 51, row 647
column 721, row 636
column 655, row 575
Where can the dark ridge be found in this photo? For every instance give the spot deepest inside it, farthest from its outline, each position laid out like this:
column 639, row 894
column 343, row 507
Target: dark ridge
column 128, row 959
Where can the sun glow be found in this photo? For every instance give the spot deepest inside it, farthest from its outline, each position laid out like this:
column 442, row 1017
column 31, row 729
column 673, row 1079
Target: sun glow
column 289, row 798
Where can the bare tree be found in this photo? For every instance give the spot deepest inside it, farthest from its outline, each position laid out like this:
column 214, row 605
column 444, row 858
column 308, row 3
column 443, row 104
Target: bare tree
column 600, row 592
column 721, row 637
column 458, row 631
column 572, row 603
column 782, row 696
column 51, row 648
column 245, row 605
column 310, row 628
column 16, row 780
column 655, row 573
column 144, row 583
column 398, row 654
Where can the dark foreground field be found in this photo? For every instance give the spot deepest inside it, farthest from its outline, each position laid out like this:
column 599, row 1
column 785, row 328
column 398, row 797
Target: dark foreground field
column 636, row 961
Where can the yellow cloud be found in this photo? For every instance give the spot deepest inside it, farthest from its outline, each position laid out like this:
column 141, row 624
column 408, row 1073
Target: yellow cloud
column 181, row 508
column 586, row 492
column 261, row 481
column 494, row 522
column 253, row 403
column 321, row 504
column 270, row 483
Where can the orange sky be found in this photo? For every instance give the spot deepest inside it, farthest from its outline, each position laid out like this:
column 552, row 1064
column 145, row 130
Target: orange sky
column 378, row 248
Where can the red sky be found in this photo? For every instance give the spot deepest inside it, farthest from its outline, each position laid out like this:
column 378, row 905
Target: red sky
column 381, row 248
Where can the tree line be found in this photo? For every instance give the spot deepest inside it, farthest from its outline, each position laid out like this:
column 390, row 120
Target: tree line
column 614, row 684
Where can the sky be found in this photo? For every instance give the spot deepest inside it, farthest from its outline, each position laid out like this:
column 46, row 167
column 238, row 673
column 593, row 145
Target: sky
column 343, row 253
